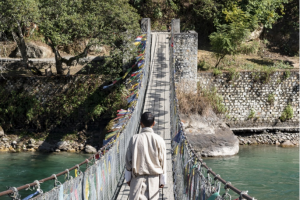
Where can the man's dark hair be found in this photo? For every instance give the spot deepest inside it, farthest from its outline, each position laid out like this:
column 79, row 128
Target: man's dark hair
column 147, row 119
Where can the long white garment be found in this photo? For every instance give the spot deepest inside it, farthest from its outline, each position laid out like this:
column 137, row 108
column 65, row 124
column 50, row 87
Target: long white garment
column 146, row 155
column 145, row 187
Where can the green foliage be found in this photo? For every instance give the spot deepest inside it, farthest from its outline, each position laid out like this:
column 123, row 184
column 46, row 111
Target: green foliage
column 203, row 66
column 19, row 109
column 249, row 47
column 271, row 98
column 287, row 113
column 227, row 40
column 286, row 74
column 251, row 114
column 15, row 13
column 214, row 99
column 283, row 65
column 101, row 22
column 233, row 74
column 217, row 72
column 266, row 73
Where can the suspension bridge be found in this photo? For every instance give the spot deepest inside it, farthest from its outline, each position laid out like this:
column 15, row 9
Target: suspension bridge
column 153, row 90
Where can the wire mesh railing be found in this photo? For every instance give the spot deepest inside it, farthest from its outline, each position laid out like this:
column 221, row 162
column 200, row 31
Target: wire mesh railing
column 193, row 179
column 104, row 170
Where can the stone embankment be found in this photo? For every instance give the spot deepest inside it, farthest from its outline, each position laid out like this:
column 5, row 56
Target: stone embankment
column 13, row 143
column 275, row 138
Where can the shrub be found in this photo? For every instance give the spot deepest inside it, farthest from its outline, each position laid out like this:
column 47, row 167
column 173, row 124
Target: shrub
column 233, row 74
column 217, row 72
column 266, row 73
column 282, row 65
column 286, row 75
column 271, row 99
column 199, row 102
column 249, row 48
column 287, row 113
column 202, row 65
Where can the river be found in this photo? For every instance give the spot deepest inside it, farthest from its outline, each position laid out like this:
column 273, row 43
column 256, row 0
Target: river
column 267, row 172
column 17, row 169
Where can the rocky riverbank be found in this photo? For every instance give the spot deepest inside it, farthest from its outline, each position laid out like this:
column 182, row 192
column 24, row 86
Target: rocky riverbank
column 13, row 143
column 283, row 139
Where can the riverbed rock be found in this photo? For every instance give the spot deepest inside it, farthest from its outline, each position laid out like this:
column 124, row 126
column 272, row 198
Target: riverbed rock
column 31, row 141
column 62, row 145
column 1, row 132
column 45, row 147
column 31, row 150
column 71, row 150
column 287, row 143
column 90, row 149
column 209, row 135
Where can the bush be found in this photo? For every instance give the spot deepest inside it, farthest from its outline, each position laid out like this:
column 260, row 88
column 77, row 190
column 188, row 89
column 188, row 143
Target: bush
column 249, row 48
column 200, row 102
column 282, row 65
column 233, row 74
column 286, row 75
column 271, row 99
column 287, row 113
column 217, row 72
column 265, row 73
column 202, row 65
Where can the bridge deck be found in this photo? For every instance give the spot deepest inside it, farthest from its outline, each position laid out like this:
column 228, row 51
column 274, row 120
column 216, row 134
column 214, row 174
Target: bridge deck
column 157, row 102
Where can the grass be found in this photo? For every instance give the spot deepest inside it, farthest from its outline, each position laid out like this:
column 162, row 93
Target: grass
column 251, row 114
column 242, row 62
column 199, row 102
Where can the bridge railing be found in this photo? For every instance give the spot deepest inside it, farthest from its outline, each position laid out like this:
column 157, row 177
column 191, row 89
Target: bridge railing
column 104, row 172
column 193, row 179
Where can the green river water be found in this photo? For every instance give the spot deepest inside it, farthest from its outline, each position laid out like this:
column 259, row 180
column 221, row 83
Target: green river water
column 267, row 172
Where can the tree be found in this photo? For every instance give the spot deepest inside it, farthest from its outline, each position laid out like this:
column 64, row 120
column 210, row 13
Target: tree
column 98, row 21
column 228, row 37
column 14, row 16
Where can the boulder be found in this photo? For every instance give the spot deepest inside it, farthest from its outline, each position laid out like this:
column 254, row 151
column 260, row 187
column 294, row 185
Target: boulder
column 33, row 51
column 45, row 147
column 256, row 33
column 62, row 145
column 1, row 132
column 71, row 150
column 31, row 141
column 90, row 149
column 210, row 136
column 287, row 143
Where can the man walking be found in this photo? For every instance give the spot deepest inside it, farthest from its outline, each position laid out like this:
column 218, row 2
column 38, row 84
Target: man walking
column 146, row 166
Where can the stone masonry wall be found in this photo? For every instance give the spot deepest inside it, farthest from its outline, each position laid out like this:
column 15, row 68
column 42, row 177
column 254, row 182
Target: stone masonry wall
column 245, row 94
column 185, row 48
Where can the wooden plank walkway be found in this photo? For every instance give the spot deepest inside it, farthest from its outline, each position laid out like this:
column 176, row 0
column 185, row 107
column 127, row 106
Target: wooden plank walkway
column 157, row 101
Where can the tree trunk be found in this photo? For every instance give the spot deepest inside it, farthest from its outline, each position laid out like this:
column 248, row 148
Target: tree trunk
column 21, row 45
column 60, row 60
column 220, row 60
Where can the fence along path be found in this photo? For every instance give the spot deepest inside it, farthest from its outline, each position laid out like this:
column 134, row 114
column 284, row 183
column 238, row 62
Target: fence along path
column 157, row 101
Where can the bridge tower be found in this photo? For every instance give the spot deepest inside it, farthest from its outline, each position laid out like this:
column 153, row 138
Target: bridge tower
column 184, row 55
